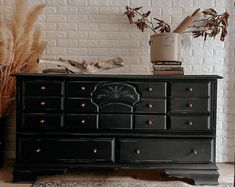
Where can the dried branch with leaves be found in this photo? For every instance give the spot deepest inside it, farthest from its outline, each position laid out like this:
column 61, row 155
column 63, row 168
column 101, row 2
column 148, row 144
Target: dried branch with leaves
column 210, row 25
column 20, row 47
column 142, row 22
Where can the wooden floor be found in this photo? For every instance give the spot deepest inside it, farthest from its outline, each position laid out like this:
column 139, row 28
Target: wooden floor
column 226, row 176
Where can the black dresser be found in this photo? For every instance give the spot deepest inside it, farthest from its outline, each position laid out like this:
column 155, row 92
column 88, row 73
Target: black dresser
column 116, row 121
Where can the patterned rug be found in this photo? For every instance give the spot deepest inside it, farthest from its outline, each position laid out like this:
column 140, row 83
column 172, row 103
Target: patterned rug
column 117, row 179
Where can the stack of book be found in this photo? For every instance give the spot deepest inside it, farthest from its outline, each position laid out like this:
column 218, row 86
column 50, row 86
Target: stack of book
column 168, row 68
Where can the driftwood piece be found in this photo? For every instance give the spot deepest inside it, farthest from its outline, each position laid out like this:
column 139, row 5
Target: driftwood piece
column 187, row 22
column 72, row 66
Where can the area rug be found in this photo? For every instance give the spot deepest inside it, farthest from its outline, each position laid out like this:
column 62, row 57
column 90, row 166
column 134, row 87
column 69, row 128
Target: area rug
column 117, row 179
column 115, row 183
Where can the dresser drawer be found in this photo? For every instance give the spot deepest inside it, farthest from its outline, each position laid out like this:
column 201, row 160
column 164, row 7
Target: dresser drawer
column 190, row 105
column 79, row 88
column 150, row 122
column 62, row 150
column 152, row 90
column 74, row 105
column 42, row 121
column 166, row 150
column 151, row 106
column 115, row 121
column 44, row 87
column 82, row 121
column 41, row 104
column 188, row 123
column 190, row 89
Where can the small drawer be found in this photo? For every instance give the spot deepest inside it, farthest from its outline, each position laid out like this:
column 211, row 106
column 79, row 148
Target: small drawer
column 150, row 122
column 152, row 90
column 166, row 150
column 189, row 123
column 80, row 89
column 190, row 89
column 44, row 87
column 82, row 121
column 115, row 121
column 40, row 104
column 42, row 121
column 190, row 105
column 64, row 150
column 151, row 106
column 80, row 105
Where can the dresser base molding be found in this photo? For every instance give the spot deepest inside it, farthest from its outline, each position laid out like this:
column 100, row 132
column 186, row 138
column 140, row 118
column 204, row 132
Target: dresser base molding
column 201, row 174
column 200, row 177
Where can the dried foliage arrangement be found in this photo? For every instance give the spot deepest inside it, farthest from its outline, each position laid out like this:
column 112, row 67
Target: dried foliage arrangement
column 20, row 47
column 210, row 25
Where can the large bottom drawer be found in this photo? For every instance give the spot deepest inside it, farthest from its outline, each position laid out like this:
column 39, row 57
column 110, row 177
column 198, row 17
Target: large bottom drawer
column 167, row 150
column 54, row 150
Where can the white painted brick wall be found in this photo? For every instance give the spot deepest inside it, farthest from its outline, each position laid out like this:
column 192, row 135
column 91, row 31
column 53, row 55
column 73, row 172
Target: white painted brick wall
column 97, row 29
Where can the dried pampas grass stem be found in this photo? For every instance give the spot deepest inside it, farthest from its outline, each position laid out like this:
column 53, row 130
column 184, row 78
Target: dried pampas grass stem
column 20, row 47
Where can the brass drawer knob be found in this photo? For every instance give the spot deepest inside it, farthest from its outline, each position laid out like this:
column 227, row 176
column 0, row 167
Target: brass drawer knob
column 43, row 87
column 189, row 105
column 43, row 103
column 150, row 89
column 83, row 105
column 189, row 123
column 149, row 105
column 38, row 150
column 149, row 122
column 83, row 88
column 83, row 121
column 194, row 151
column 137, row 151
column 42, row 121
column 94, row 151
column 189, row 89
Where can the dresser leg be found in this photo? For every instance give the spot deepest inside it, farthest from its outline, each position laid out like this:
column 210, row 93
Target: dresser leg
column 200, row 177
column 30, row 175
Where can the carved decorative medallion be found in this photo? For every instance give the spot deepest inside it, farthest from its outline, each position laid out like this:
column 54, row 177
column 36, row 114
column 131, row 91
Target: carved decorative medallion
column 115, row 93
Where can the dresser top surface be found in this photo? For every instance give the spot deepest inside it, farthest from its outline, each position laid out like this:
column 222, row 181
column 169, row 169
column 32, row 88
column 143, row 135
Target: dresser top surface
column 116, row 76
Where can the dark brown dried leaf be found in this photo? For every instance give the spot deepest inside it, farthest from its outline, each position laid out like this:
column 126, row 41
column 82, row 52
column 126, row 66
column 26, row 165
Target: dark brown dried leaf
column 130, row 14
column 138, row 8
column 146, row 14
column 141, row 24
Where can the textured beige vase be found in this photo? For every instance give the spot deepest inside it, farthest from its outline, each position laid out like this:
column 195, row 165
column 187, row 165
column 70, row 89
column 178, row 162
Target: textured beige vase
column 165, row 47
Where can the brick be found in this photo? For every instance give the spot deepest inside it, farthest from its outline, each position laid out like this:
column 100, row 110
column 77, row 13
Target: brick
column 88, row 27
column 56, row 2
column 182, row 3
column 77, row 2
column 109, row 43
column 47, row 26
column 118, row 52
column 120, row 3
column 66, row 43
column 162, row 3
column 56, row 18
column 109, row 10
column 108, row 27
column 98, row 3
column 56, row 51
column 78, row 35
column 56, row 34
column 118, row 35
column 98, row 19
column 67, row 10
column 203, row 3
column 129, row 44
column 137, row 3
column 88, row 10
column 77, row 51
column 98, row 35
column 67, row 26
column 98, row 51
column 51, row 10
column 78, row 18
column 88, row 43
